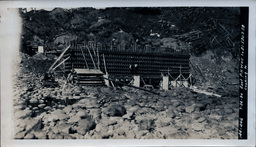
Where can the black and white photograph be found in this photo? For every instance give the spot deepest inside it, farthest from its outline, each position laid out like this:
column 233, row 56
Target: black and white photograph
column 130, row 73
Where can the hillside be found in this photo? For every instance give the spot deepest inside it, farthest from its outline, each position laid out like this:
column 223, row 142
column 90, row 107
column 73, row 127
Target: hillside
column 203, row 28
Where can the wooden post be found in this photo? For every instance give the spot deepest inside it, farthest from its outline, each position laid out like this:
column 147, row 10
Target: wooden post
column 91, row 57
column 98, row 58
column 84, row 58
column 165, row 82
column 105, row 79
column 136, row 81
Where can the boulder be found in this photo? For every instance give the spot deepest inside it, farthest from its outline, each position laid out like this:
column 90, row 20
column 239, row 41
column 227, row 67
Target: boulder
column 82, row 113
column 48, row 108
column 191, row 108
column 74, row 119
column 63, row 128
column 89, row 103
column 145, row 123
column 85, row 125
column 101, row 128
column 132, row 109
column 115, row 110
column 107, row 135
column 201, row 119
column 33, row 101
column 67, row 109
column 170, row 113
column 108, row 121
column 95, row 113
column 163, row 121
column 130, row 135
column 58, row 115
column 167, row 130
column 41, row 101
column 197, row 126
column 41, row 105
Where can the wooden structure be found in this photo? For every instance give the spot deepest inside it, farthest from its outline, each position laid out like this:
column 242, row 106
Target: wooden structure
column 90, row 77
column 150, row 63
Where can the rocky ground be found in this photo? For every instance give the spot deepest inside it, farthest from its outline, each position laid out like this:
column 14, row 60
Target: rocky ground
column 82, row 112
column 76, row 112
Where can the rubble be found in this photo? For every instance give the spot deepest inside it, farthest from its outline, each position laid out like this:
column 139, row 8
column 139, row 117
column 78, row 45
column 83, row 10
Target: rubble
column 79, row 112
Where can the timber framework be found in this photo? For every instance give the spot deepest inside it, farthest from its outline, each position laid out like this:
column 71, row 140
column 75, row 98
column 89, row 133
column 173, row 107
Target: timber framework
column 151, row 66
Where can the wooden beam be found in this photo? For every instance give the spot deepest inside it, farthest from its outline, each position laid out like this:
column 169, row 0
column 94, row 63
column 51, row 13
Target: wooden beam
column 91, row 57
column 61, row 55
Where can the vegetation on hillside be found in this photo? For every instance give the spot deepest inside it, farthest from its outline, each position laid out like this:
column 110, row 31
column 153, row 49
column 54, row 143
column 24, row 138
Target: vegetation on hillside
column 204, row 28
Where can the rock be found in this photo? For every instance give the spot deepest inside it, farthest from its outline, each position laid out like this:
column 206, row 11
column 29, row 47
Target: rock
column 130, row 135
column 63, row 128
column 229, row 111
column 167, row 130
column 159, row 106
column 141, row 133
column 61, row 106
column 108, row 121
column 190, row 109
column 176, row 104
column 145, row 123
column 30, row 136
column 35, row 124
column 41, row 105
column 59, row 136
column 200, row 107
column 33, row 101
column 101, row 128
column 170, row 113
column 115, row 110
column 40, row 135
column 195, row 115
column 132, row 109
column 89, row 103
column 197, row 126
column 67, row 136
column 201, row 119
column 19, row 107
column 121, row 131
column 76, row 97
column 181, row 109
column 163, row 122
column 74, row 119
column 47, row 108
column 85, row 125
column 107, row 135
column 77, row 92
column 215, row 116
column 67, row 109
column 58, row 115
column 145, row 110
column 20, row 135
column 95, row 113
column 41, row 101
column 127, row 116
column 82, row 113
column 23, row 114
